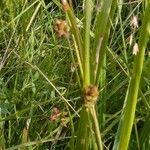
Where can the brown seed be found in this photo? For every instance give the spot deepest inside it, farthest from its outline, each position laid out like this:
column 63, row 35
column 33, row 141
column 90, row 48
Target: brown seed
column 91, row 94
column 61, row 28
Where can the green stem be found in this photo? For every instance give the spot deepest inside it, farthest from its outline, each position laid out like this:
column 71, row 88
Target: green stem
column 96, row 128
column 75, row 31
column 74, row 63
column 87, row 24
column 127, row 118
column 77, row 39
column 101, row 72
column 101, row 107
column 109, row 9
column 83, row 133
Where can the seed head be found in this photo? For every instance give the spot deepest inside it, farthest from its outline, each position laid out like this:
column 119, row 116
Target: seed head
column 130, row 39
column 90, row 94
column 135, row 49
column 134, row 22
column 61, row 28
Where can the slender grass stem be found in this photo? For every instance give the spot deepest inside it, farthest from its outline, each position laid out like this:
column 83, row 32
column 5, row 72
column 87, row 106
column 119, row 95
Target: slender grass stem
column 74, row 28
column 78, row 58
column 73, row 59
column 77, row 39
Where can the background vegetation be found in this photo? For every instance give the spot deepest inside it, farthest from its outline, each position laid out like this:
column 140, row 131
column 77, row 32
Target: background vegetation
column 38, row 77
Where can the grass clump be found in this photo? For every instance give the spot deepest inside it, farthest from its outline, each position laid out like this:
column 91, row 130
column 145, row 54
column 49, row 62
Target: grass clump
column 70, row 75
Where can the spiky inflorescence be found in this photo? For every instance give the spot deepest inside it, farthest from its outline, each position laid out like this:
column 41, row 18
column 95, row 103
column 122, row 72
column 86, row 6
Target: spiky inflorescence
column 90, row 95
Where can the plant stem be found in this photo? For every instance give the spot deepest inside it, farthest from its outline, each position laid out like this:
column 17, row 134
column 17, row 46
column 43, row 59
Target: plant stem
column 96, row 127
column 103, row 36
column 77, row 39
column 75, row 31
column 83, row 130
column 87, row 24
column 127, row 118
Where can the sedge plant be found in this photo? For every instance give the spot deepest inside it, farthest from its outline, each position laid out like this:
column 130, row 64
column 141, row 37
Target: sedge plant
column 26, row 47
column 91, row 59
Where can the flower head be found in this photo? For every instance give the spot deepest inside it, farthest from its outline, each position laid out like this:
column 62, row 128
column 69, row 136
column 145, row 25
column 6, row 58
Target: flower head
column 134, row 22
column 135, row 49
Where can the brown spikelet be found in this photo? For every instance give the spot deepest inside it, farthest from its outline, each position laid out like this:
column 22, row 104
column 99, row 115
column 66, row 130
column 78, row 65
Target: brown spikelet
column 91, row 94
column 65, row 5
column 61, row 28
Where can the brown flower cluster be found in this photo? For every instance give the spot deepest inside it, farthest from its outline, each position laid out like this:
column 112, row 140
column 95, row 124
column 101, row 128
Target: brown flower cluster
column 90, row 94
column 61, row 28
